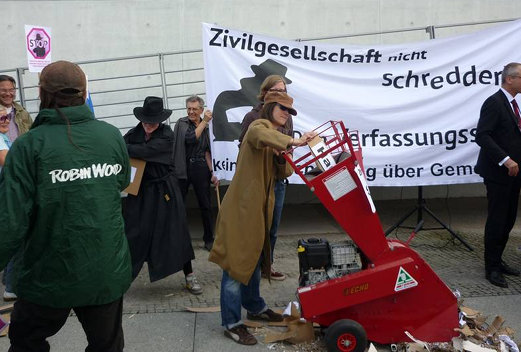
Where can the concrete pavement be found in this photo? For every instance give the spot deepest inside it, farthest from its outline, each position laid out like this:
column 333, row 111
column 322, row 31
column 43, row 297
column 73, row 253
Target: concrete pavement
column 155, row 318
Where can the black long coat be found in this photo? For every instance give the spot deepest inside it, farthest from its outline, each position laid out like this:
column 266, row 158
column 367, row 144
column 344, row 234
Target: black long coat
column 155, row 219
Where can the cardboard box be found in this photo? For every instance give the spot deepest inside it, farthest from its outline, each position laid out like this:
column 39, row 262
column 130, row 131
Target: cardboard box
column 136, row 174
column 298, row 331
column 317, row 147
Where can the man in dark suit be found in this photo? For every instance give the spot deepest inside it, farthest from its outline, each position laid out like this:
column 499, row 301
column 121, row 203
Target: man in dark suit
column 499, row 136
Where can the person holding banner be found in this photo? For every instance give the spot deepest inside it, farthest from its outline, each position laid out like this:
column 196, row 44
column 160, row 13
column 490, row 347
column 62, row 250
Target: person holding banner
column 60, row 199
column 499, row 136
column 245, row 217
column 272, row 83
column 155, row 219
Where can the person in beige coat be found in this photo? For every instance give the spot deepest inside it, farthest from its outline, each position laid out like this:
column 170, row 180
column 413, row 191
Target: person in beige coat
column 244, row 220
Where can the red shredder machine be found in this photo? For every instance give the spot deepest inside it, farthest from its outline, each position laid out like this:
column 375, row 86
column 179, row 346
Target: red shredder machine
column 367, row 287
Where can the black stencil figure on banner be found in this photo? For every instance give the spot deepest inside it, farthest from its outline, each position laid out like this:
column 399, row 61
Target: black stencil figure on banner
column 39, row 50
column 224, row 130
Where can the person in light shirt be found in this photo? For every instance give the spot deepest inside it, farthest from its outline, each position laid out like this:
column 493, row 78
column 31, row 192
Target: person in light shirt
column 19, row 119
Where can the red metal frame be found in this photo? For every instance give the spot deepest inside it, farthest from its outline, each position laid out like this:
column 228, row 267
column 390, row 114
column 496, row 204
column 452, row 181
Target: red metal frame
column 374, row 297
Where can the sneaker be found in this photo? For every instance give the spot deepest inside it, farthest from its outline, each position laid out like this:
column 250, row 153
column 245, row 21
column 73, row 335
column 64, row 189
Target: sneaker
column 192, row 285
column 267, row 315
column 275, row 275
column 9, row 296
column 240, row 334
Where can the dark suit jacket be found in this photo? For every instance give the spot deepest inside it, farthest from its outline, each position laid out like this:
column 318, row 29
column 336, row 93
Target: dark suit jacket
column 498, row 136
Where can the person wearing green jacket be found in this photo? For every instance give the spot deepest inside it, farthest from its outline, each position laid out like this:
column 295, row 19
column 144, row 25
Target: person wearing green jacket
column 60, row 199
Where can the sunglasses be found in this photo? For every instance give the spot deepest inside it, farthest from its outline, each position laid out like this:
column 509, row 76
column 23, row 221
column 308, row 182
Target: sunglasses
column 277, row 90
column 4, row 118
column 283, row 108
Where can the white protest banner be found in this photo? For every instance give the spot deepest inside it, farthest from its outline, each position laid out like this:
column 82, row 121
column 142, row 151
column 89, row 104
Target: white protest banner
column 415, row 105
column 38, row 46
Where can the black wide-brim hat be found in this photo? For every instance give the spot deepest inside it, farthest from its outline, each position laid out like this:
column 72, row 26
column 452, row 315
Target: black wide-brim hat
column 152, row 111
column 271, row 67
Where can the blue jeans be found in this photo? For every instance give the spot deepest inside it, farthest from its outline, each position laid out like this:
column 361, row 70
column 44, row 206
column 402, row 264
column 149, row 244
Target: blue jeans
column 234, row 295
column 10, row 271
column 280, row 193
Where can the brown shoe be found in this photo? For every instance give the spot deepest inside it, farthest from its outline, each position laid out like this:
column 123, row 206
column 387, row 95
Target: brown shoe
column 267, row 315
column 240, row 334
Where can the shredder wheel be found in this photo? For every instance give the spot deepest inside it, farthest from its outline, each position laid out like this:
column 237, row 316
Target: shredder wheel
column 346, row 336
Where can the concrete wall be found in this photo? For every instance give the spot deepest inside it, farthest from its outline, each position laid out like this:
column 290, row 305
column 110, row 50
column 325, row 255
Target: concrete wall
column 92, row 30
column 84, row 30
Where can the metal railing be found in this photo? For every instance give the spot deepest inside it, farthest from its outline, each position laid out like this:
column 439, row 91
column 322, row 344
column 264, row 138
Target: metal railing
column 117, row 85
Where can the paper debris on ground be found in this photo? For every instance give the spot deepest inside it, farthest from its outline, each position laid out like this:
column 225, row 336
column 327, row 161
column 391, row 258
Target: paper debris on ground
column 476, row 335
column 298, row 330
column 372, row 348
column 418, row 342
column 253, row 324
column 415, row 347
column 510, row 344
column 469, row 312
column 7, row 308
column 203, row 309
column 474, row 347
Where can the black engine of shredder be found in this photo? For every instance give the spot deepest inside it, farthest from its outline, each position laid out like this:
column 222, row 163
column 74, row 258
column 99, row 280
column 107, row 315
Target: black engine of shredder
column 320, row 260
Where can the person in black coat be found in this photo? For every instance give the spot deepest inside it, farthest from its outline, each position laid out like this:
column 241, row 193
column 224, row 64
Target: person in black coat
column 499, row 136
column 155, row 219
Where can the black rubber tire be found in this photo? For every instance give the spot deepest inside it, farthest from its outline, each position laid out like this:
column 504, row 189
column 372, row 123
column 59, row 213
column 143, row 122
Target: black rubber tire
column 346, row 336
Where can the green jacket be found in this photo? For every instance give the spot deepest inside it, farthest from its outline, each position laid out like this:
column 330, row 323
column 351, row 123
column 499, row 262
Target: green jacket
column 60, row 200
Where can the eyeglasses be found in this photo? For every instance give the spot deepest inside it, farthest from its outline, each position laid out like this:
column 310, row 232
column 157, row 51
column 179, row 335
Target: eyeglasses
column 10, row 91
column 283, row 108
column 277, row 90
column 4, row 118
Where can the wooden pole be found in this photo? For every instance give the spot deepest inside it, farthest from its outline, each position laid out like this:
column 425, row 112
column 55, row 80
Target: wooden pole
column 218, row 197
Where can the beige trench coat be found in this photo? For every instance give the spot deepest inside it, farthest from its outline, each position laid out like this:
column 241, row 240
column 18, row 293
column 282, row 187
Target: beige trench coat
column 22, row 119
column 243, row 223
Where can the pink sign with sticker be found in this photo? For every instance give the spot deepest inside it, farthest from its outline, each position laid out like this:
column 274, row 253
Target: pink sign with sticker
column 38, row 46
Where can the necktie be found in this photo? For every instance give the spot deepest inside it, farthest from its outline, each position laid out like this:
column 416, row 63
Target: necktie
column 516, row 111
